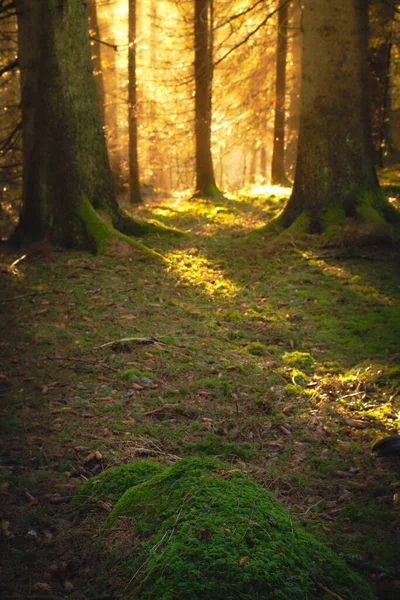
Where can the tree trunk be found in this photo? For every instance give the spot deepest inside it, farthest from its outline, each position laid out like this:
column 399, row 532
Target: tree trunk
column 111, row 80
column 293, row 85
column 66, row 173
column 278, row 155
column 205, row 179
column 134, row 184
column 335, row 176
column 381, row 33
column 94, row 31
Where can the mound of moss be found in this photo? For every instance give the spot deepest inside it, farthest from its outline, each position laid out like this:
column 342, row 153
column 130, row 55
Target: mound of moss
column 111, row 484
column 200, row 529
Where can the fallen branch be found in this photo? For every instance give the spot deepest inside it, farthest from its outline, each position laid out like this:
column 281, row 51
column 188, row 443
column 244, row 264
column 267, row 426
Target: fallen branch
column 127, row 342
column 328, row 591
column 162, row 408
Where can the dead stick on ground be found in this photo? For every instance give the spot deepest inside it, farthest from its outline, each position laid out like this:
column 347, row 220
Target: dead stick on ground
column 161, row 409
column 130, row 340
column 328, row 591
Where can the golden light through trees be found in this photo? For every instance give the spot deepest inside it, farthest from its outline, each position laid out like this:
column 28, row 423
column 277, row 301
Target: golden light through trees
column 244, row 56
column 244, row 40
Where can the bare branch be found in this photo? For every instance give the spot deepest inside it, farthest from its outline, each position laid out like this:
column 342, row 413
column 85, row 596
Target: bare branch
column 11, row 65
column 246, row 39
column 104, row 43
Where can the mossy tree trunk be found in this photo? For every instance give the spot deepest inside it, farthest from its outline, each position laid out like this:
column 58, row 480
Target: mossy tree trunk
column 205, row 178
column 335, row 178
column 278, row 154
column 66, row 172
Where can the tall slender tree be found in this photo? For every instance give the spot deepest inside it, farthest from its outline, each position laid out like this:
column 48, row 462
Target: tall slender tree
column 382, row 13
column 335, row 180
column 67, row 181
column 278, row 175
column 134, row 183
column 205, row 178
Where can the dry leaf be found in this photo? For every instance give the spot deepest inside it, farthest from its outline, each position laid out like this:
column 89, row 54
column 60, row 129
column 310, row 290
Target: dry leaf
column 89, row 458
column 81, row 448
column 136, row 386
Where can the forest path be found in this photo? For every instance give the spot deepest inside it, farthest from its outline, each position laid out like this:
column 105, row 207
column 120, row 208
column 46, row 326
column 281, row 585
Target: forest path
column 284, row 361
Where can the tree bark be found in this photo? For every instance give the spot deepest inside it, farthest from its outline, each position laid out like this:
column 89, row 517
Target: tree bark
column 335, row 175
column 94, row 31
column 205, row 179
column 111, row 81
column 381, row 33
column 134, row 184
column 278, row 175
column 66, row 172
column 293, row 84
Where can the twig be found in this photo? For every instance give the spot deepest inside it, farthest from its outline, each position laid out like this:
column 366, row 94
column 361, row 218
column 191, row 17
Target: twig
column 9, row 67
column 328, row 591
column 104, row 43
column 161, row 409
column 127, row 341
column 23, row 296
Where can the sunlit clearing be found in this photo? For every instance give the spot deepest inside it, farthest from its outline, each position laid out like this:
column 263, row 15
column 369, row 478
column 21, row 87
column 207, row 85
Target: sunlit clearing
column 199, row 272
column 268, row 190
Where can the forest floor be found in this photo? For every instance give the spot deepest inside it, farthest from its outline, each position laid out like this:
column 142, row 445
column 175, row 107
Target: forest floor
column 282, row 359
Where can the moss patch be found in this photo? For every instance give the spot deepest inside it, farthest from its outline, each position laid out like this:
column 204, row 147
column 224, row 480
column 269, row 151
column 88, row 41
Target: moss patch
column 201, row 529
column 111, row 484
column 103, row 236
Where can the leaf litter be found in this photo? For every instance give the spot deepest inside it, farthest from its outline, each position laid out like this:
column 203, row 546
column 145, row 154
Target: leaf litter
column 213, row 333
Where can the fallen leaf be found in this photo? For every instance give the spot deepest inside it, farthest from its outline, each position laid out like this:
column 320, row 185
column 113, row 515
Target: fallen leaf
column 81, row 448
column 89, row 458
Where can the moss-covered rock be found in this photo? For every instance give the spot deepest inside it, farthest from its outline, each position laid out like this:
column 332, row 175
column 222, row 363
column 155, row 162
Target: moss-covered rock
column 201, row 529
column 111, row 484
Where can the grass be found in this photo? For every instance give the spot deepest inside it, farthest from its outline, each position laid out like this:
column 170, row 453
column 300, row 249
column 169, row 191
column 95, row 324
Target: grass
column 282, row 360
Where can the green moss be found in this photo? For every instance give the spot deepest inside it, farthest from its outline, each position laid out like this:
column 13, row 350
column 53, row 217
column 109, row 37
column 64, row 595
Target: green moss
column 210, row 191
column 290, row 390
column 101, row 234
column 96, row 228
column 111, row 484
column 274, row 227
column 203, row 530
column 299, row 359
column 333, row 217
column 213, row 445
column 368, row 214
column 257, row 349
column 300, row 225
column 134, row 374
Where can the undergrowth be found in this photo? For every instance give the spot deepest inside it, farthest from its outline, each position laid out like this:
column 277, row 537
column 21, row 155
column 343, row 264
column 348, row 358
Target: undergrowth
column 282, row 360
